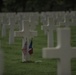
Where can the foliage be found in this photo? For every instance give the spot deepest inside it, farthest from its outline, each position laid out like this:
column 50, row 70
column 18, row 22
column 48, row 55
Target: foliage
column 36, row 5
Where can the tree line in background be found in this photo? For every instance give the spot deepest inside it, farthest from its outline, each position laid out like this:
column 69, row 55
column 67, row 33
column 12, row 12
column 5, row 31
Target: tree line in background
column 36, row 5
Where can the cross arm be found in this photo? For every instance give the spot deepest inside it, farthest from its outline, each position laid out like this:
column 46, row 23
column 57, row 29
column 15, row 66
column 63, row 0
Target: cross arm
column 33, row 33
column 51, row 53
column 18, row 33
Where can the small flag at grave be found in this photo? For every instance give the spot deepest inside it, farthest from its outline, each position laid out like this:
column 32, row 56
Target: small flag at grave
column 25, row 48
column 30, row 47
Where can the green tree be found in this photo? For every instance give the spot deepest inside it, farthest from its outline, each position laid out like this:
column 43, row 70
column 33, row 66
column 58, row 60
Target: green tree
column 1, row 5
column 38, row 5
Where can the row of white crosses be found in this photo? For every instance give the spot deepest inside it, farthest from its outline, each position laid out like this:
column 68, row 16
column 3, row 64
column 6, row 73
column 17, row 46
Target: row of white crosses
column 14, row 21
column 8, row 21
column 67, row 18
column 63, row 51
column 52, row 20
column 27, row 32
column 60, row 18
column 10, row 18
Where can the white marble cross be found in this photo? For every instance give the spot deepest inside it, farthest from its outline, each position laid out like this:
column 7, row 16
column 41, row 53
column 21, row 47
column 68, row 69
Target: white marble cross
column 64, row 52
column 4, row 24
column 11, row 28
column 26, row 33
column 3, row 30
column 49, row 29
column 19, row 18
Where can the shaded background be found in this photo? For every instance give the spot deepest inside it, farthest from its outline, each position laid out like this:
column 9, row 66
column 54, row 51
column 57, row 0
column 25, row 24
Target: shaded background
column 36, row 5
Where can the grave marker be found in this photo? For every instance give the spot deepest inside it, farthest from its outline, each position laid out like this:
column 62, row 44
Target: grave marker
column 4, row 24
column 26, row 33
column 11, row 28
column 64, row 52
column 49, row 28
column 19, row 18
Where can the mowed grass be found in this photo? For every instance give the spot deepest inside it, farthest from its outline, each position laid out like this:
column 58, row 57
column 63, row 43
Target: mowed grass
column 12, row 56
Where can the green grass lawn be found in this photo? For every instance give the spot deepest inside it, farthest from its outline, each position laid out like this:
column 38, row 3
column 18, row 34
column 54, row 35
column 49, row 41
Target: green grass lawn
column 12, row 56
